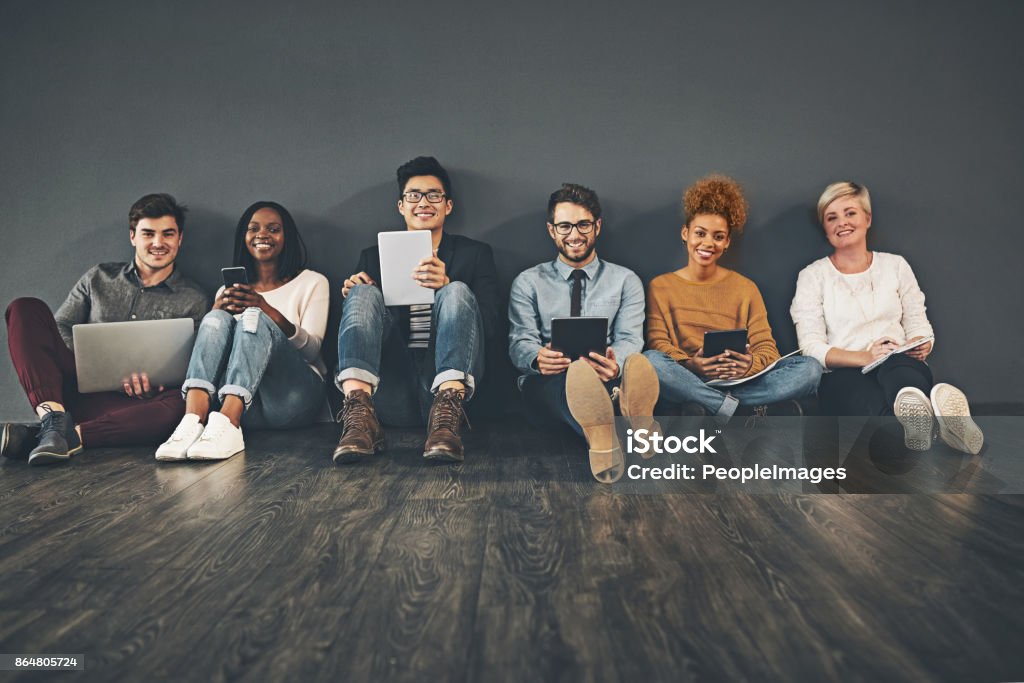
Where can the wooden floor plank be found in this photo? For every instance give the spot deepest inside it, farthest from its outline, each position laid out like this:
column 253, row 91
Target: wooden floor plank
column 513, row 565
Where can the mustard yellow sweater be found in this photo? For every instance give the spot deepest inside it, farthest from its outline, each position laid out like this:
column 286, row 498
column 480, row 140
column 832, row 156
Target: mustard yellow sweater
column 679, row 312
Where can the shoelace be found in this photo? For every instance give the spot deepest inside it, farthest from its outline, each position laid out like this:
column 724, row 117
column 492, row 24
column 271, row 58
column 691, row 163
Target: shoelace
column 355, row 414
column 179, row 433
column 211, row 434
column 760, row 414
column 54, row 419
column 449, row 413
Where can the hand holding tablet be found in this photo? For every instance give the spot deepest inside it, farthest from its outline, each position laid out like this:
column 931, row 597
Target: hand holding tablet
column 577, row 337
column 718, row 341
column 431, row 273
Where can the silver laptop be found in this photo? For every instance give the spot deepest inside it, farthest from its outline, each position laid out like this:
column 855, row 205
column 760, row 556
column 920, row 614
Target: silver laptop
column 108, row 353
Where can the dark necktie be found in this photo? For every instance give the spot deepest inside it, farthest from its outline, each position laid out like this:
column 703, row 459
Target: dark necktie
column 576, row 300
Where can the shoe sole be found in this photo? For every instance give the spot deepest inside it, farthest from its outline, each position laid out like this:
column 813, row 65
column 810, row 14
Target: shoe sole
column 443, row 456
column 959, row 431
column 169, row 458
column 349, row 456
column 591, row 407
column 914, row 411
column 210, row 458
column 5, row 440
column 638, row 394
column 45, row 458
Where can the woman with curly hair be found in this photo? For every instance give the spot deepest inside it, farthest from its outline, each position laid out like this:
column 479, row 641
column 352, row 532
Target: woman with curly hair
column 855, row 307
column 703, row 296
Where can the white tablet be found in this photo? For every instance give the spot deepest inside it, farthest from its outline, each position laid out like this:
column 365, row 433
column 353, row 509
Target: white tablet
column 400, row 253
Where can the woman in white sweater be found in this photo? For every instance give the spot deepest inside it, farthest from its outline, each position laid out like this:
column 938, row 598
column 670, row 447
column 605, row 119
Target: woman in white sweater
column 855, row 306
column 257, row 353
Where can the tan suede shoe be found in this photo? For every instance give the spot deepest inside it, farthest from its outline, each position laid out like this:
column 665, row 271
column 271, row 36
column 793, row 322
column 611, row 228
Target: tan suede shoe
column 638, row 393
column 592, row 408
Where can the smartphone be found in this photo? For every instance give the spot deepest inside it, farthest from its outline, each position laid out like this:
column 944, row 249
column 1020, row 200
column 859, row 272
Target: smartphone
column 235, row 276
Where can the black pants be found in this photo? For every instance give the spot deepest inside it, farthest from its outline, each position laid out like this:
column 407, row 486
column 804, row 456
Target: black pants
column 545, row 403
column 848, row 392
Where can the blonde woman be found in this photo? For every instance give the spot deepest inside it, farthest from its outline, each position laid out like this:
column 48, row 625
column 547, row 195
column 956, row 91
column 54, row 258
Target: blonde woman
column 852, row 308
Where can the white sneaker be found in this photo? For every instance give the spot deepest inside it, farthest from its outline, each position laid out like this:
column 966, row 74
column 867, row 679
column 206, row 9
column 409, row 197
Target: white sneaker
column 185, row 434
column 220, row 440
column 914, row 411
column 956, row 427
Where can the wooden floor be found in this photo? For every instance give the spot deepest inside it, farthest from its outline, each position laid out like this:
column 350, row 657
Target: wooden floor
column 276, row 565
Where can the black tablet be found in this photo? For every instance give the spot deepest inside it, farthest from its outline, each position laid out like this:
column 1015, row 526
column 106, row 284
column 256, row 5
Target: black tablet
column 577, row 337
column 718, row 341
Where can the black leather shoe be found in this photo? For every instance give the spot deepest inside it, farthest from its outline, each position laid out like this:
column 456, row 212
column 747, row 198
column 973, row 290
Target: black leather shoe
column 58, row 440
column 18, row 440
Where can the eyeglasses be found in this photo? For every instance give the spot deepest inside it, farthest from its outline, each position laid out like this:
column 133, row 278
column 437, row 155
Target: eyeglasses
column 564, row 228
column 434, row 197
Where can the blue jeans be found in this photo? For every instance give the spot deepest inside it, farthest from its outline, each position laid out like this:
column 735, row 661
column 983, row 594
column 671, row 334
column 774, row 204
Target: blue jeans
column 544, row 400
column 279, row 388
column 793, row 377
column 372, row 349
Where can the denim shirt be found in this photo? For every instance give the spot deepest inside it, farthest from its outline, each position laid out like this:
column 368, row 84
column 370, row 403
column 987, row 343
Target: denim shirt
column 544, row 291
column 113, row 292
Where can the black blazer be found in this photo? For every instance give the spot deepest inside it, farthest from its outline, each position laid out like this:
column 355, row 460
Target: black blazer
column 465, row 260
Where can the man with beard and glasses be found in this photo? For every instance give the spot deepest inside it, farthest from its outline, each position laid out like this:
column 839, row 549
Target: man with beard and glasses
column 572, row 391
column 149, row 287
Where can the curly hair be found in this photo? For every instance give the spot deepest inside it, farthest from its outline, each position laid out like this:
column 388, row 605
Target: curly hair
column 719, row 195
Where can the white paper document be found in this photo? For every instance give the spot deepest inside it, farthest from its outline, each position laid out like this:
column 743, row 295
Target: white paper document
column 741, row 380
column 899, row 349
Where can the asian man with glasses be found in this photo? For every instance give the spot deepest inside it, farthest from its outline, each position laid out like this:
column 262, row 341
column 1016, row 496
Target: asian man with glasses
column 406, row 365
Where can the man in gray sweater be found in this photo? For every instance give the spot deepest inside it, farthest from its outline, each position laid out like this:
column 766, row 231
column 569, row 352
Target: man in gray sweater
column 149, row 287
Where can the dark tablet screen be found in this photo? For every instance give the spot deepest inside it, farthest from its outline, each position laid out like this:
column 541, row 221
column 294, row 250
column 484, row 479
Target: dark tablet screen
column 717, row 342
column 577, row 337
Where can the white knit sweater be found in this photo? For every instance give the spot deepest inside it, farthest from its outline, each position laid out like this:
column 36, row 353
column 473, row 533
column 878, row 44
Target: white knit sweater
column 304, row 301
column 833, row 310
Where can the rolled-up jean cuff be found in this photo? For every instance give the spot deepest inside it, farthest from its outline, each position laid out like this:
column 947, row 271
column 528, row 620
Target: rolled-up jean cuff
column 357, row 374
column 198, row 384
column 235, row 390
column 454, row 376
column 729, row 406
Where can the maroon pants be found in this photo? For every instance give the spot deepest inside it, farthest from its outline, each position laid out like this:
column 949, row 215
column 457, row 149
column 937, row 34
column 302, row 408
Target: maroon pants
column 46, row 370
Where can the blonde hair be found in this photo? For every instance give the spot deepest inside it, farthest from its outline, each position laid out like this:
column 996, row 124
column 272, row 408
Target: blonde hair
column 843, row 188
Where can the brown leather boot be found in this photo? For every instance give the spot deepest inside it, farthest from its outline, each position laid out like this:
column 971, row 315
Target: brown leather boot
column 446, row 415
column 361, row 434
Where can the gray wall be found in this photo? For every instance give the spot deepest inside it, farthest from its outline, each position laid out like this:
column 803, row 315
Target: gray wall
column 225, row 103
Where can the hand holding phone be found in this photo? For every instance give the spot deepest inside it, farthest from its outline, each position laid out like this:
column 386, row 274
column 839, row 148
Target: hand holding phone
column 234, row 276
